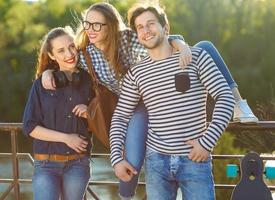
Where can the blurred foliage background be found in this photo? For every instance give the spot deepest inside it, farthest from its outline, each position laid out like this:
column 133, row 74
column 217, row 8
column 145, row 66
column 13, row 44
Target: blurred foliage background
column 242, row 30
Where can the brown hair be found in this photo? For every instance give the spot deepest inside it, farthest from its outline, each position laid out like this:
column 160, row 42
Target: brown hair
column 138, row 9
column 115, row 25
column 44, row 62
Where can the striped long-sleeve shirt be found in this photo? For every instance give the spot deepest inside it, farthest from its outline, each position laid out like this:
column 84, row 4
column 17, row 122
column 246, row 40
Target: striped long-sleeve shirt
column 174, row 117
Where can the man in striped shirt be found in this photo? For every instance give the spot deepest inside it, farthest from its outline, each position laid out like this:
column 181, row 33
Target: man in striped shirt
column 179, row 141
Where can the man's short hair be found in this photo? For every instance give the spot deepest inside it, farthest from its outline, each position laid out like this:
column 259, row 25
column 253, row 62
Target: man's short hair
column 138, row 9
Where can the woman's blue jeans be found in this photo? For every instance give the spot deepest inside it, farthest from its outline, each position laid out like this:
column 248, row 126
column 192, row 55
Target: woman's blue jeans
column 214, row 53
column 135, row 147
column 69, row 180
column 135, row 143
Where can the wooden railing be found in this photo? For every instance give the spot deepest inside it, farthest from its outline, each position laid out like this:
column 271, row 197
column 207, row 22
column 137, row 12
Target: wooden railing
column 14, row 128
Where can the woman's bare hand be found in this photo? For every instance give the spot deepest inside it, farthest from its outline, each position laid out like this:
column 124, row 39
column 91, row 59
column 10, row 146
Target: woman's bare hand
column 80, row 110
column 76, row 142
column 48, row 80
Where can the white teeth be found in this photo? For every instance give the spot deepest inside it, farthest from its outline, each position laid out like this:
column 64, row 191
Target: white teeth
column 148, row 38
column 70, row 61
column 92, row 36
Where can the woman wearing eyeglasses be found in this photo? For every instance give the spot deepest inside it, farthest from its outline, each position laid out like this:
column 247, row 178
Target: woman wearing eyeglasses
column 113, row 48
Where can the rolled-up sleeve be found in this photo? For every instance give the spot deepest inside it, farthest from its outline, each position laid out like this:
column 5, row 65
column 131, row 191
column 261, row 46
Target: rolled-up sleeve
column 32, row 115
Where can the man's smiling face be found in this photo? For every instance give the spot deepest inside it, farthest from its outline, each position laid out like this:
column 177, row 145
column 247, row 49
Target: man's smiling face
column 149, row 30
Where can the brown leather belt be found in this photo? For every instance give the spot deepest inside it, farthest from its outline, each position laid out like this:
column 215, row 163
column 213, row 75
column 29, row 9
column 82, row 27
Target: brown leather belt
column 58, row 157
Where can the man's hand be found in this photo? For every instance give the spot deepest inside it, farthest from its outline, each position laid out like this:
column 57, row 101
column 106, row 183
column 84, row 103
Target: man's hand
column 48, row 80
column 198, row 153
column 124, row 171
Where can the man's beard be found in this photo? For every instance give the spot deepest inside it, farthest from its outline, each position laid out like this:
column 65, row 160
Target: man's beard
column 156, row 44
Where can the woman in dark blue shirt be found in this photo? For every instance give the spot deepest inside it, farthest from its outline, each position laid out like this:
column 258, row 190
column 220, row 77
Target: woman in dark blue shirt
column 55, row 120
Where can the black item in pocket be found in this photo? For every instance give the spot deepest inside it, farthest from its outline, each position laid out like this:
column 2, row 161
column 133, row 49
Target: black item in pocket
column 182, row 82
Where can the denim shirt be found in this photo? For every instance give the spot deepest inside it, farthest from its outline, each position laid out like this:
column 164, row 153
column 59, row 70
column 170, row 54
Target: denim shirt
column 52, row 109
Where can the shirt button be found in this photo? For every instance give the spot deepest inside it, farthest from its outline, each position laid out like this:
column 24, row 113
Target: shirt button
column 69, row 116
column 51, row 94
column 67, row 152
column 70, row 99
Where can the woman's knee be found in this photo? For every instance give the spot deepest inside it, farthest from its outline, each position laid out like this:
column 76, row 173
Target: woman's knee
column 206, row 45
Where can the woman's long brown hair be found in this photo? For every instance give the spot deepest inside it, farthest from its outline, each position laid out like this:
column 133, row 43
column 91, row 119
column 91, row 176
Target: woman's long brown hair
column 115, row 25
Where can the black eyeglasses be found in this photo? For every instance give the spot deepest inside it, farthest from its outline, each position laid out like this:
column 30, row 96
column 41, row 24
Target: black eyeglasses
column 96, row 26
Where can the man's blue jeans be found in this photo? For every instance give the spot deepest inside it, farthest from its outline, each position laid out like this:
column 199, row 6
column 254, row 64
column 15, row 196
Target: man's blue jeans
column 166, row 173
column 138, row 126
column 51, row 180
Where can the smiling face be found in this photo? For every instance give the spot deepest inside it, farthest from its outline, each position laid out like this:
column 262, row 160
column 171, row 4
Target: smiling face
column 150, row 32
column 64, row 52
column 96, row 37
